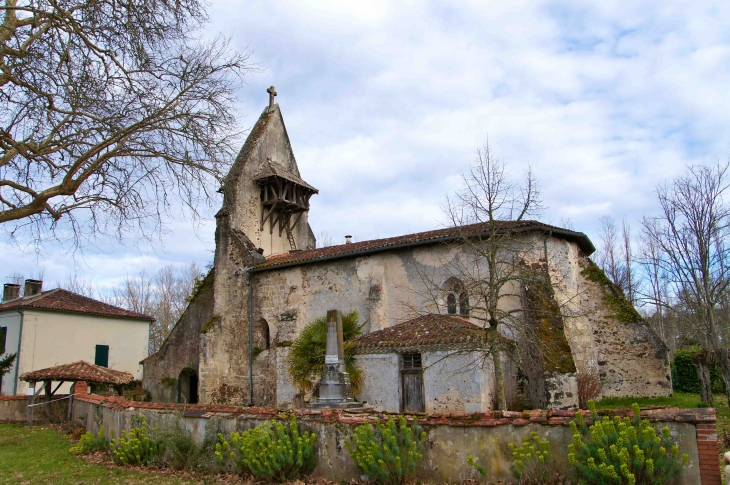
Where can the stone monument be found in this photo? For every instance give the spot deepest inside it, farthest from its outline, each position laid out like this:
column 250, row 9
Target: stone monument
column 335, row 390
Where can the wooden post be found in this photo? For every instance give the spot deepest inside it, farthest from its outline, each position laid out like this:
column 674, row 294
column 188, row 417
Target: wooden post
column 31, row 401
column 70, row 406
column 48, row 400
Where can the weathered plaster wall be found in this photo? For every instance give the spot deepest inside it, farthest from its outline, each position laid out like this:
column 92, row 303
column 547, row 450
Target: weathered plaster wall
column 388, row 288
column 382, row 385
column 181, row 349
column 450, row 439
column 457, row 382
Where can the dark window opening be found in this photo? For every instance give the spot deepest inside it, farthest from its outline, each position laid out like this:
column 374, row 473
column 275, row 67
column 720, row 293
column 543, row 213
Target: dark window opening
column 102, row 356
column 464, row 304
column 265, row 332
column 412, row 361
column 451, row 304
column 3, row 336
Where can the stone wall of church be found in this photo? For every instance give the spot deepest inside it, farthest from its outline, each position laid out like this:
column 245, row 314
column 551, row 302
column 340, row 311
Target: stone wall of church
column 620, row 350
column 180, row 351
column 386, row 289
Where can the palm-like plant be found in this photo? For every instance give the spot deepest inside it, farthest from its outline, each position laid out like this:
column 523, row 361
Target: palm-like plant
column 306, row 358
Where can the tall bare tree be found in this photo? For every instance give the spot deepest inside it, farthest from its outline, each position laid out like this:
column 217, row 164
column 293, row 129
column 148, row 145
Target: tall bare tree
column 163, row 296
column 110, row 113
column 692, row 241
column 494, row 271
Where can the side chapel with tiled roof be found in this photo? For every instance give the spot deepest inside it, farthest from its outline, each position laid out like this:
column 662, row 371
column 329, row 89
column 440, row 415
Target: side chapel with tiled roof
column 270, row 280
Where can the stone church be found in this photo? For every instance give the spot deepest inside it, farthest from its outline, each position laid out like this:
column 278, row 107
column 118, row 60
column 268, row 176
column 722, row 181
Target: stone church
column 421, row 346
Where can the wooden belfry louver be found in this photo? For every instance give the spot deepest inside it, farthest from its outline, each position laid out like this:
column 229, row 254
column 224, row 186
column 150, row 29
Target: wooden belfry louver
column 284, row 196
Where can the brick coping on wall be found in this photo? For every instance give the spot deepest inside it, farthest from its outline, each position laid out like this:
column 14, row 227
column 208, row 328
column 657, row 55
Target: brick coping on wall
column 489, row 418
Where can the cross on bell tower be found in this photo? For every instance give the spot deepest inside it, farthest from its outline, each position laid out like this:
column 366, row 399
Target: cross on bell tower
column 272, row 93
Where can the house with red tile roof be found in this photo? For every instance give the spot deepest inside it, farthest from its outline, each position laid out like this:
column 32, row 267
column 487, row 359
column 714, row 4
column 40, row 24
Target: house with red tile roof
column 58, row 327
column 423, row 346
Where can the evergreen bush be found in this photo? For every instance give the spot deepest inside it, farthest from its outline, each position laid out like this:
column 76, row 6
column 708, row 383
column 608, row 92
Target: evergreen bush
column 137, row 447
column 271, row 450
column 88, row 443
column 623, row 451
column 684, row 373
column 387, row 453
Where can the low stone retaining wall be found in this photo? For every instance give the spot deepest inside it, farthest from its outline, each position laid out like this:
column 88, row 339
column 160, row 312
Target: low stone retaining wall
column 14, row 409
column 451, row 438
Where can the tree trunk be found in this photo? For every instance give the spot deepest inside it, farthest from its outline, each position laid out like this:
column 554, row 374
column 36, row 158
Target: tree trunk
column 703, row 372
column 499, row 379
column 723, row 360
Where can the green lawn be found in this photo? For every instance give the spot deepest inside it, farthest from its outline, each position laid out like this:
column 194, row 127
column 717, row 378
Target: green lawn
column 679, row 400
column 40, row 456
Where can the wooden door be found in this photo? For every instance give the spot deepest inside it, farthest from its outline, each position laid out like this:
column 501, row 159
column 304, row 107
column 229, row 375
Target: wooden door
column 413, row 399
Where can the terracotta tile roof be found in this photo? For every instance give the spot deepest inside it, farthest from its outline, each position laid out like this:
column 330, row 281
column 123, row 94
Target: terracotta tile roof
column 79, row 371
column 451, row 233
column 271, row 168
column 425, row 331
column 66, row 301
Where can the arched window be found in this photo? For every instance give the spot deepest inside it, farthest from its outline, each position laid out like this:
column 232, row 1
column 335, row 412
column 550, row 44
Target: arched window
column 457, row 298
column 464, row 304
column 265, row 335
column 451, row 304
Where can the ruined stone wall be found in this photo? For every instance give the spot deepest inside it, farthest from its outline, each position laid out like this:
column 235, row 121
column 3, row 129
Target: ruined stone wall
column 182, row 347
column 606, row 335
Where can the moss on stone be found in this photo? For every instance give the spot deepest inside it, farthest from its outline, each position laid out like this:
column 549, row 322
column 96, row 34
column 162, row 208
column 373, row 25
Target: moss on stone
column 210, row 324
column 613, row 298
column 168, row 381
column 202, row 285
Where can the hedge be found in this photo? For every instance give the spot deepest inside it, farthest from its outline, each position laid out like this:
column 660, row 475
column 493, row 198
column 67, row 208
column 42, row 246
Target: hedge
column 684, row 374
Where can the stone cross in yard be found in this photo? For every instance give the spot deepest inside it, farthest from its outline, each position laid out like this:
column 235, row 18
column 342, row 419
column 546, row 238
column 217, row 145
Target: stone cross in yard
column 272, row 93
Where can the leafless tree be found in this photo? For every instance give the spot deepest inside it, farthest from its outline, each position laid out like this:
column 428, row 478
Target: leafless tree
column 692, row 237
column 497, row 266
column 163, row 296
column 110, row 112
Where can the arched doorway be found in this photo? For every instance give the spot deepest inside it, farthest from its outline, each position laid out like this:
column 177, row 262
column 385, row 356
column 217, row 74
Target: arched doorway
column 187, row 386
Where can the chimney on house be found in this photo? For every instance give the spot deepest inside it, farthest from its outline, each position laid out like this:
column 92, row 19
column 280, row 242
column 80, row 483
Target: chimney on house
column 32, row 287
column 11, row 291
column 348, row 239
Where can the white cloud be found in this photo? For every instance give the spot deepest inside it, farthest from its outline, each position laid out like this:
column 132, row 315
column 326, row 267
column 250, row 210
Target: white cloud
column 386, row 102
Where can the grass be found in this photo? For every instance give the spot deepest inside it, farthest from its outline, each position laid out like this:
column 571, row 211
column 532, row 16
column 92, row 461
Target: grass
column 678, row 400
column 40, row 455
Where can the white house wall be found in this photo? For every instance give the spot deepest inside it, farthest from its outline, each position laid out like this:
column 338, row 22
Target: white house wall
column 11, row 320
column 51, row 339
column 381, row 387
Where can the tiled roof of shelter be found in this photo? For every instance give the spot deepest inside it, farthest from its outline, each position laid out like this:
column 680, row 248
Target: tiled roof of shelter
column 271, row 168
column 451, row 233
column 79, row 371
column 66, row 301
column 427, row 330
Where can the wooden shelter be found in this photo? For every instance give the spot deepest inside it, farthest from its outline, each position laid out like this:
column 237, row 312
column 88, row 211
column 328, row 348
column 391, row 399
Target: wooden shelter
column 73, row 372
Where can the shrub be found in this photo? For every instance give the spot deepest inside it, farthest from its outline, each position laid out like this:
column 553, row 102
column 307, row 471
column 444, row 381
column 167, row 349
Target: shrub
column 589, row 387
column 387, row 453
column 271, row 450
column 136, row 448
column 623, row 451
column 180, row 450
column 684, row 373
column 88, row 443
column 532, row 462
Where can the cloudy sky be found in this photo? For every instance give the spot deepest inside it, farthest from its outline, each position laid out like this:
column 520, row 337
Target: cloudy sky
column 386, row 103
